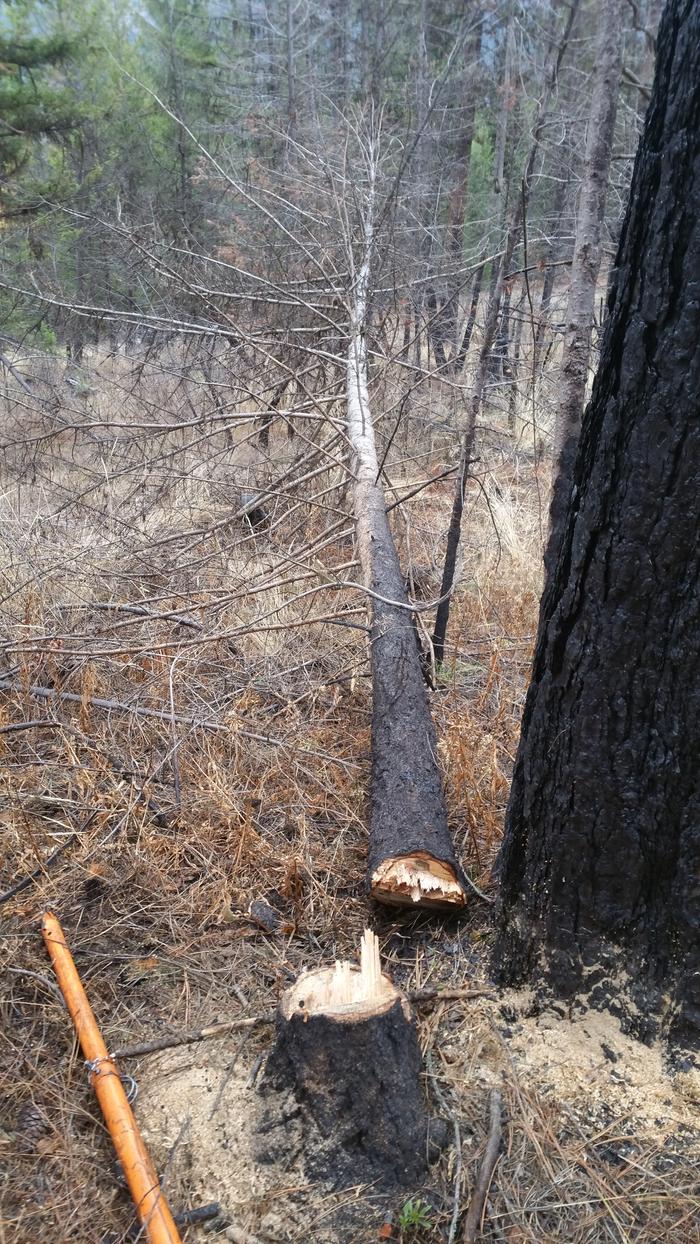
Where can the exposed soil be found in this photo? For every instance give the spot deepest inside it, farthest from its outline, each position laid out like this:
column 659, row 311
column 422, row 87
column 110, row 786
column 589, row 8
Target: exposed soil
column 603, row 1094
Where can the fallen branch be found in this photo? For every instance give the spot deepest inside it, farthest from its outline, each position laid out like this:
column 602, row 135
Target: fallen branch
column 164, row 714
column 472, row 1224
column 205, row 1213
column 222, row 1029
column 40, row 870
column 41, row 723
column 170, row 1042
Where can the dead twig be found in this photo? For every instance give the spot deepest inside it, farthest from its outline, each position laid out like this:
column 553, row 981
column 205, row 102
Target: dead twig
column 41, row 869
column 171, row 1041
column 450, row 1114
column 205, row 1213
column 418, row 996
column 227, row 1075
column 39, row 724
column 472, row 1223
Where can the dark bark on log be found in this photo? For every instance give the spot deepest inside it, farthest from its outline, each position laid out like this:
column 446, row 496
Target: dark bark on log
column 599, row 892
column 411, row 856
column 352, row 1072
column 408, row 816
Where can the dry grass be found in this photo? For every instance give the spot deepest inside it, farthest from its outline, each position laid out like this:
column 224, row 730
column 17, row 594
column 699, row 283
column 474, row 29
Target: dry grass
column 170, row 829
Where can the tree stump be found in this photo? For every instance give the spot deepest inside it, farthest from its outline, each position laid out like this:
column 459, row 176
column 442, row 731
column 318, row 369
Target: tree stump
column 345, row 1073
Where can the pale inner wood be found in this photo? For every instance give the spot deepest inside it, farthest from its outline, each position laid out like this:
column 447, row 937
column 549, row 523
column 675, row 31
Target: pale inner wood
column 417, row 878
column 343, row 989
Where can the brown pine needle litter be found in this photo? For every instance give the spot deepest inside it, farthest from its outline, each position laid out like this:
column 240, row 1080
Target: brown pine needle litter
column 153, row 837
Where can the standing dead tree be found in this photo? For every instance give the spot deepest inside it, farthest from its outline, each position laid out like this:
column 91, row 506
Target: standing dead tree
column 585, row 267
column 411, row 856
column 478, row 385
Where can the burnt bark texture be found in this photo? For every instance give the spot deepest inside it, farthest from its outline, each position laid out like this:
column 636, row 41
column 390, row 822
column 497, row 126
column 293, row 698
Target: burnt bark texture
column 408, row 813
column 599, row 869
column 356, row 1087
column 407, row 804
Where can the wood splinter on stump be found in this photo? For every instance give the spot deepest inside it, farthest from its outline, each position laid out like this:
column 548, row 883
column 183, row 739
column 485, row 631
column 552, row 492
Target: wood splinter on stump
column 342, row 1082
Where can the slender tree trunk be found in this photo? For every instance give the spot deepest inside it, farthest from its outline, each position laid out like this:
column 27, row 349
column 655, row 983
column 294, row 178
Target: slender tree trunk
column 513, row 366
column 498, row 198
column 461, row 355
column 435, row 328
column 552, row 254
column 587, row 249
column 476, row 392
column 600, row 863
column 411, row 857
column 291, row 84
column 459, row 199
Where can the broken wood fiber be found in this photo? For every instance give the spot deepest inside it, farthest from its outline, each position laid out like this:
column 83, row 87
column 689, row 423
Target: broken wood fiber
column 346, row 1054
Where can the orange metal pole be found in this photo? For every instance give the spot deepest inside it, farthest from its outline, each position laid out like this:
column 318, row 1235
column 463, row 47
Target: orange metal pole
column 151, row 1205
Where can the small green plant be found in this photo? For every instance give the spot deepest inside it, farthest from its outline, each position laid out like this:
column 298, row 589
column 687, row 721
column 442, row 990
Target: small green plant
column 414, row 1215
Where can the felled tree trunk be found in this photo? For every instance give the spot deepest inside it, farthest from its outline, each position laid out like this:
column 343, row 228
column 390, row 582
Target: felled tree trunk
column 345, row 1068
column 411, row 856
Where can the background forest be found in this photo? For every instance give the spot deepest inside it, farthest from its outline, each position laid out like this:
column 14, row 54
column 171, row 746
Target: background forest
column 205, row 208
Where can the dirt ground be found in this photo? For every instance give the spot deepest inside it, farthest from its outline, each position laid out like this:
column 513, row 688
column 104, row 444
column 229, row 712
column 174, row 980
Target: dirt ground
column 584, row 1102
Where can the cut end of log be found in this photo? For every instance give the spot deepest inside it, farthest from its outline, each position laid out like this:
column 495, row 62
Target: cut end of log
column 344, row 991
column 418, row 878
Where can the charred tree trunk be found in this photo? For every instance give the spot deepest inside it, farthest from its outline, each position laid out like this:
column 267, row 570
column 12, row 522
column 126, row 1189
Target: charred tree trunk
column 587, row 248
column 347, row 1055
column 599, row 869
column 411, row 857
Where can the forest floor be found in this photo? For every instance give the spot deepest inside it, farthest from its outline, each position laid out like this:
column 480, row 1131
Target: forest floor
column 168, row 832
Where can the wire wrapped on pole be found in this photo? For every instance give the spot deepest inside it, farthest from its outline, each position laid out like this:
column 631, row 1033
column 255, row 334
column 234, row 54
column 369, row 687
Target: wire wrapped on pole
column 151, row 1205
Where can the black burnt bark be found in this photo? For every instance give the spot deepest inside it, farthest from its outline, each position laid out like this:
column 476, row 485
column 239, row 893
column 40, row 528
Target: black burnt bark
column 356, row 1086
column 407, row 806
column 600, row 863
